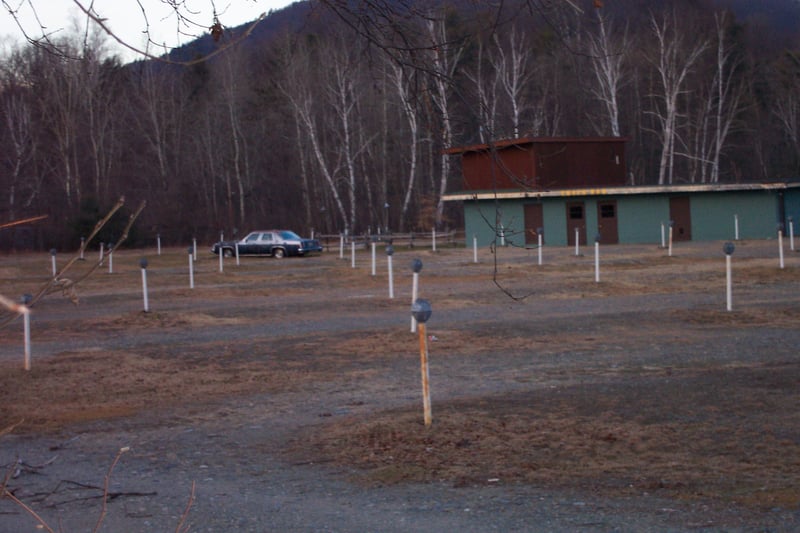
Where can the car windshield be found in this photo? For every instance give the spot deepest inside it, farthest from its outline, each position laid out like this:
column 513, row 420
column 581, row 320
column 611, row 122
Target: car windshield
column 290, row 236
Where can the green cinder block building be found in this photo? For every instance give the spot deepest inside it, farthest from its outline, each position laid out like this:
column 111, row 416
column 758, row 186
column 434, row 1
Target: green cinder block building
column 570, row 188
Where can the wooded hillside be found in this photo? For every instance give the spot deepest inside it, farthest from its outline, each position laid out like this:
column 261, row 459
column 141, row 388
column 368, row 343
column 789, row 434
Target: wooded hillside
column 336, row 121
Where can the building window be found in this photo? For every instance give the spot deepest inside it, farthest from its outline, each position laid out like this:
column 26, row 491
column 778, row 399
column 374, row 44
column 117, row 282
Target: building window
column 607, row 211
column 576, row 212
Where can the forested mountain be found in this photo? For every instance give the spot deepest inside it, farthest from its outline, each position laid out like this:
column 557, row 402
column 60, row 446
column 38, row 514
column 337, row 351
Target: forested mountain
column 332, row 115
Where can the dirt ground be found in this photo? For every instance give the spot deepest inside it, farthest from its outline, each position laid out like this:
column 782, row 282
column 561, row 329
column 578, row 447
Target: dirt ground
column 639, row 385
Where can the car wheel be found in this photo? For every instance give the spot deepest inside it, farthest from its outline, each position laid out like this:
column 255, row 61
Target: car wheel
column 227, row 252
column 279, row 253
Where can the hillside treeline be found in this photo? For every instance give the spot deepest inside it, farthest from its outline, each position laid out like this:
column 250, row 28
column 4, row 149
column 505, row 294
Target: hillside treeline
column 340, row 125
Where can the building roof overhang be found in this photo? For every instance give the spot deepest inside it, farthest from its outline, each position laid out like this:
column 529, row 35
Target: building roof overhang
column 616, row 191
column 522, row 141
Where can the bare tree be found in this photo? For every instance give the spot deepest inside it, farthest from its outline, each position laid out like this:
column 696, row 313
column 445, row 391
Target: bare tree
column 296, row 86
column 514, row 70
column 400, row 82
column 608, row 60
column 443, row 58
column 787, row 104
column 674, row 60
column 21, row 150
column 188, row 27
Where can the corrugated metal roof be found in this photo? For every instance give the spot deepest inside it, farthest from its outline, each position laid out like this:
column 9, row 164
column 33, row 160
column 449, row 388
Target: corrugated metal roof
column 616, row 191
column 505, row 143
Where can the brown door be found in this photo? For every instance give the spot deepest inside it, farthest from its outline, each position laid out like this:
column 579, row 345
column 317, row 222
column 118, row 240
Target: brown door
column 607, row 221
column 576, row 219
column 534, row 219
column 681, row 215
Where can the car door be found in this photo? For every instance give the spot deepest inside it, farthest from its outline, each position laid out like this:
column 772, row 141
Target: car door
column 267, row 242
column 249, row 245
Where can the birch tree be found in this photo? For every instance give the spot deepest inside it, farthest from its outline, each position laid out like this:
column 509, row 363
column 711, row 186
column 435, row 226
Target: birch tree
column 19, row 153
column 608, row 59
column 399, row 80
column 514, row 71
column 296, row 85
column 675, row 57
column 443, row 56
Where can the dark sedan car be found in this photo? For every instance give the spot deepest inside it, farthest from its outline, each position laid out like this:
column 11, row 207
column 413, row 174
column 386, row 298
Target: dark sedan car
column 275, row 243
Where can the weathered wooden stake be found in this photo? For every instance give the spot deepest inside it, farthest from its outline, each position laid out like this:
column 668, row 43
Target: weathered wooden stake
column 426, row 390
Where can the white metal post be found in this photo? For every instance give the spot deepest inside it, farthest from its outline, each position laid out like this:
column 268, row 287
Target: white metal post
column 474, row 248
column 736, row 227
column 221, row 253
column 191, row 270
column 341, row 246
column 597, row 262
column 373, row 244
column 663, row 237
column 101, row 253
column 391, row 277
column 540, row 249
column 353, row 253
column 414, row 291
column 237, row 253
column 433, row 239
column 791, row 234
column 26, row 321
column 194, row 249
column 53, row 262
column 158, row 240
column 780, row 246
column 669, row 253
column 111, row 260
column 144, row 290
column 728, row 287
column 577, row 243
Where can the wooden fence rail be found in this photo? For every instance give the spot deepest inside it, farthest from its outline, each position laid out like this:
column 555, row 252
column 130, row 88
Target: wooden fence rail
column 398, row 240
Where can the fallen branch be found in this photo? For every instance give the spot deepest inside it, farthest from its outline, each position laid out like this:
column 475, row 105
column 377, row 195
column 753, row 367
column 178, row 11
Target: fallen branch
column 105, row 488
column 180, row 528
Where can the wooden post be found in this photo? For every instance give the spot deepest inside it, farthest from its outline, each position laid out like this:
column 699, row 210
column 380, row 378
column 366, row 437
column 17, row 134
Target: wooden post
column 423, row 357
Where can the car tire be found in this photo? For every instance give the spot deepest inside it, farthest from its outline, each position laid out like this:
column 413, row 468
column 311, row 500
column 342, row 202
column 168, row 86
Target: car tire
column 278, row 253
column 227, row 252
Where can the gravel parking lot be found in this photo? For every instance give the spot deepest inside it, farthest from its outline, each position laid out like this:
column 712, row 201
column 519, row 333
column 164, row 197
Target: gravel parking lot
column 285, row 395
